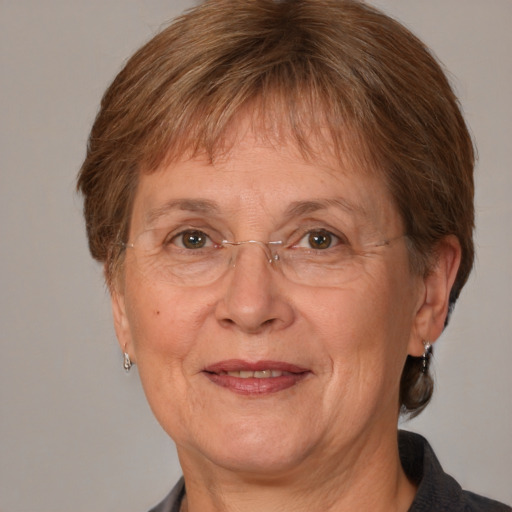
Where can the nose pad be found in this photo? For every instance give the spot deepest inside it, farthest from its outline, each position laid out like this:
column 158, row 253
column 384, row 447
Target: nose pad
column 270, row 249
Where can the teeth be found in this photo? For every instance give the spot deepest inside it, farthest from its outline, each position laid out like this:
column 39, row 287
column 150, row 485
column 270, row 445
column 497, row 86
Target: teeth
column 260, row 374
column 263, row 374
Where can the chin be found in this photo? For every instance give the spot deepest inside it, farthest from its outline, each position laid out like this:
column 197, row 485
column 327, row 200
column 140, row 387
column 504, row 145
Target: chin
column 261, row 460
column 254, row 448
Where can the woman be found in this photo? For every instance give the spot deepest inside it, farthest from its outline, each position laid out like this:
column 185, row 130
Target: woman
column 281, row 194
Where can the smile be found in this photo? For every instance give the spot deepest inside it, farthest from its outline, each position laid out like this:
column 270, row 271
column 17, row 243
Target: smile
column 260, row 374
column 260, row 378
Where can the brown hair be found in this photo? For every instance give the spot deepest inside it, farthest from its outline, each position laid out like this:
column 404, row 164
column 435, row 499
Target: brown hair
column 337, row 69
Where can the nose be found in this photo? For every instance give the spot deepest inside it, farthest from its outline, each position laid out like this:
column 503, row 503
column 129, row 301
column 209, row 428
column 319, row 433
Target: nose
column 253, row 300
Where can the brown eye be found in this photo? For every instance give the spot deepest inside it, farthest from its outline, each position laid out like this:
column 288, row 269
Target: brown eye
column 320, row 239
column 192, row 240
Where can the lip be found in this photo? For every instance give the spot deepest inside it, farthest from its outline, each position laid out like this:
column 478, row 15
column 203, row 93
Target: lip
column 292, row 375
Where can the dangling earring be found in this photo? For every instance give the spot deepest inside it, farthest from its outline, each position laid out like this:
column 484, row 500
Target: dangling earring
column 425, row 358
column 127, row 362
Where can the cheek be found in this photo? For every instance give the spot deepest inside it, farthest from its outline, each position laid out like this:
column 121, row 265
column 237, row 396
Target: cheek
column 165, row 328
column 164, row 322
column 365, row 327
column 360, row 315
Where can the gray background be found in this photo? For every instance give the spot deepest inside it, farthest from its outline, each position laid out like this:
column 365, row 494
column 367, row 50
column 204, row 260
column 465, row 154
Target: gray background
column 75, row 431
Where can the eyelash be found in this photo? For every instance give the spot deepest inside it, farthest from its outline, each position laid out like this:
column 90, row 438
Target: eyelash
column 177, row 239
column 333, row 239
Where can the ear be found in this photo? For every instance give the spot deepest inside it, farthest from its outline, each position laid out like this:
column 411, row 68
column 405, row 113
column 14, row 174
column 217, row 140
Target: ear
column 121, row 324
column 433, row 304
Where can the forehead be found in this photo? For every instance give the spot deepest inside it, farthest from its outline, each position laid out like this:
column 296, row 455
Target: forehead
column 260, row 181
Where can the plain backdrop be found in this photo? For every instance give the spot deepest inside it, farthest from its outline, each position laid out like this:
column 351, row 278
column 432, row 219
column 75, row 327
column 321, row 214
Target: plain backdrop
column 75, row 431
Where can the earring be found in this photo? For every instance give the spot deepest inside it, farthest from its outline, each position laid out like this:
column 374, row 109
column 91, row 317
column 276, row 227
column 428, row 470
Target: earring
column 127, row 362
column 425, row 358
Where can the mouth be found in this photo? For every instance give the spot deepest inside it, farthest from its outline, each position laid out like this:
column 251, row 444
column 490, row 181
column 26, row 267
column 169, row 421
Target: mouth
column 259, row 374
column 260, row 378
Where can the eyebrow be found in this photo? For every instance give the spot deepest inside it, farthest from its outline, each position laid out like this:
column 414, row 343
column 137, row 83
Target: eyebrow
column 295, row 209
column 190, row 205
column 299, row 208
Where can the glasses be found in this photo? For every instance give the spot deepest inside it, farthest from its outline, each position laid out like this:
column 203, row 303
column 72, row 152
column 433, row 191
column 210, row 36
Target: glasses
column 192, row 257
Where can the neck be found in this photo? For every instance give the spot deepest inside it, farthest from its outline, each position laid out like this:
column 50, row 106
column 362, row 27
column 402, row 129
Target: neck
column 366, row 477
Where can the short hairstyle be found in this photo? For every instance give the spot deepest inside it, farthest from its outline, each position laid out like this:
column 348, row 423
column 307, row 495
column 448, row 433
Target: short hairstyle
column 337, row 70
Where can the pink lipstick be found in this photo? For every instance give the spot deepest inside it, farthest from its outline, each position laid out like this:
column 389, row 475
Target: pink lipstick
column 258, row 378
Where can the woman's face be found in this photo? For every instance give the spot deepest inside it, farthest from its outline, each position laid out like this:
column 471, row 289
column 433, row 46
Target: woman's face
column 327, row 352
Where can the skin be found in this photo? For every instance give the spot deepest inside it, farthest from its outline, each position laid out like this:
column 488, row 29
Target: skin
column 327, row 443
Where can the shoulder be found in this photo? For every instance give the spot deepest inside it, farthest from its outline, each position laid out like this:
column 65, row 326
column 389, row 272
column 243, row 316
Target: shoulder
column 474, row 502
column 172, row 501
column 437, row 491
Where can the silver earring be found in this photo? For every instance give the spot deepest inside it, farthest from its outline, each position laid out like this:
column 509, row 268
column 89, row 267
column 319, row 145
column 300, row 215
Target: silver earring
column 425, row 358
column 127, row 363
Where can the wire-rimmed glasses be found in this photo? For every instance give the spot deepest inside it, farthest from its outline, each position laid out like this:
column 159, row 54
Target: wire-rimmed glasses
column 192, row 257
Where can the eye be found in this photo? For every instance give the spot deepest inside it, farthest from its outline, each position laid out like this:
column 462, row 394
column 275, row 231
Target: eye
column 192, row 239
column 318, row 239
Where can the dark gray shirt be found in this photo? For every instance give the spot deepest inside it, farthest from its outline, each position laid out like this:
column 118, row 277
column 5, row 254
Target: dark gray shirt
column 437, row 491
